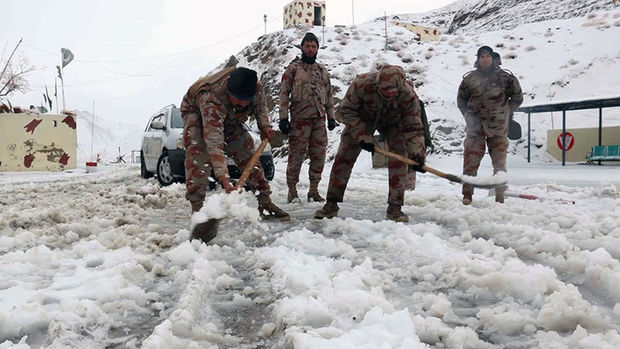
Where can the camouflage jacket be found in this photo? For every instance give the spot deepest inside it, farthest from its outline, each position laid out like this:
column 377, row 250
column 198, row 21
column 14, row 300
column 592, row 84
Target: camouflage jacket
column 486, row 100
column 212, row 103
column 306, row 90
column 364, row 108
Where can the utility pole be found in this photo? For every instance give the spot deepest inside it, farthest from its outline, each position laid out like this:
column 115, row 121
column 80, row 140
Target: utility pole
column 62, row 85
column 353, row 12
column 386, row 38
column 265, row 19
column 92, row 133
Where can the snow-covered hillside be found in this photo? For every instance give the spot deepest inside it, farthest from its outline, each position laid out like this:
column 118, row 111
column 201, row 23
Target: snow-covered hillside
column 110, row 140
column 561, row 59
column 474, row 16
column 554, row 60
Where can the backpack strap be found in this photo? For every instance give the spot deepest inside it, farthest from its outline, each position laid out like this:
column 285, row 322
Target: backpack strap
column 207, row 82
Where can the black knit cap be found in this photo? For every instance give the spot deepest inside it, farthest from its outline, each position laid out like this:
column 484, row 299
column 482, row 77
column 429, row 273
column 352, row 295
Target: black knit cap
column 242, row 84
column 482, row 49
column 310, row 37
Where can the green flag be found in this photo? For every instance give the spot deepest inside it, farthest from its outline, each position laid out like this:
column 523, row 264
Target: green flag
column 67, row 56
column 47, row 94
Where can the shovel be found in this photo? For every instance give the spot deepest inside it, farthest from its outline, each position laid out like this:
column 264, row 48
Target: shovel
column 207, row 231
column 448, row 176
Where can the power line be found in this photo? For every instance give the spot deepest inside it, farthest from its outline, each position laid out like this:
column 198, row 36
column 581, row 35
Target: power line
column 168, row 55
column 166, row 69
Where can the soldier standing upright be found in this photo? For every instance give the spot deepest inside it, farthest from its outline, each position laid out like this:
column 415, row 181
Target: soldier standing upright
column 214, row 110
column 487, row 97
column 307, row 83
column 380, row 101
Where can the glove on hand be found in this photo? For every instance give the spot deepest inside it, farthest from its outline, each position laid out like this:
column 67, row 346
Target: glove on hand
column 331, row 124
column 418, row 167
column 226, row 185
column 370, row 147
column 285, row 126
column 268, row 133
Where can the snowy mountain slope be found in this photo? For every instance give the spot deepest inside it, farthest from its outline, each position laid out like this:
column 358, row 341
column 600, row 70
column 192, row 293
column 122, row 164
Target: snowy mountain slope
column 560, row 59
column 108, row 138
column 474, row 16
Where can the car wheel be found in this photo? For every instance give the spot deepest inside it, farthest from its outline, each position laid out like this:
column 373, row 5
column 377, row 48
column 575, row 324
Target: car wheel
column 164, row 171
column 143, row 171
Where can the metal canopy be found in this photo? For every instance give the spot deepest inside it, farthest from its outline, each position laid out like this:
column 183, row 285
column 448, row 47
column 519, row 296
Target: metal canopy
column 598, row 103
column 576, row 105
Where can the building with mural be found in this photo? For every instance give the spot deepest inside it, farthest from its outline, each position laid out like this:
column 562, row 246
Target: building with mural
column 422, row 33
column 304, row 13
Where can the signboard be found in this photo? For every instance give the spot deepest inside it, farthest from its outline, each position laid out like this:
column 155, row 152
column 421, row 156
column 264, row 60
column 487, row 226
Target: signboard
column 570, row 141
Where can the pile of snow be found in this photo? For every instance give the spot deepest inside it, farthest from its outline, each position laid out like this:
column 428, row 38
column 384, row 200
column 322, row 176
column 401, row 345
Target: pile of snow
column 103, row 259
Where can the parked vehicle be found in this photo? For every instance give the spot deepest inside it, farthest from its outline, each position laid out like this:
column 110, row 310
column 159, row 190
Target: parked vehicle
column 162, row 152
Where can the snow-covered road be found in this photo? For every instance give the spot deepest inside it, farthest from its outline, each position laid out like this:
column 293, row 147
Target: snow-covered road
column 102, row 260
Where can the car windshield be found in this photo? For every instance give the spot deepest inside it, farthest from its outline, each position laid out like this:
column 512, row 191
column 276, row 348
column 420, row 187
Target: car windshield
column 177, row 120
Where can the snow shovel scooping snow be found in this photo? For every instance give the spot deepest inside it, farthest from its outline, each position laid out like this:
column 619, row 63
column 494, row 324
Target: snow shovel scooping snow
column 207, row 230
column 481, row 182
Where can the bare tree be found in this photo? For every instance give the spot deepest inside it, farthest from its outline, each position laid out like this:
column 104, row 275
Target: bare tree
column 14, row 77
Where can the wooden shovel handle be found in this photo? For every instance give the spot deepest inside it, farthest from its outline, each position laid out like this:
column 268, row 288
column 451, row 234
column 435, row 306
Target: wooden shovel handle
column 250, row 165
column 406, row 160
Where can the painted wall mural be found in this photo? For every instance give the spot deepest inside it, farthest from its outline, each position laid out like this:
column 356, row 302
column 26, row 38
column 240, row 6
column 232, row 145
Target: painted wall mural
column 37, row 142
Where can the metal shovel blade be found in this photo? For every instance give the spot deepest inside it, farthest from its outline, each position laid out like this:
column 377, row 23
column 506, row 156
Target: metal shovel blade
column 205, row 231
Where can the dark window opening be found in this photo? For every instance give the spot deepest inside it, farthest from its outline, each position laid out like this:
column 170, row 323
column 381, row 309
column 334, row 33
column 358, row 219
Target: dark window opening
column 317, row 16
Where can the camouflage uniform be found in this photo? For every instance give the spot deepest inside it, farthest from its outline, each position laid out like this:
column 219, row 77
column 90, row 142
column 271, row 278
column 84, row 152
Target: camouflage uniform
column 310, row 103
column 364, row 109
column 212, row 128
column 486, row 99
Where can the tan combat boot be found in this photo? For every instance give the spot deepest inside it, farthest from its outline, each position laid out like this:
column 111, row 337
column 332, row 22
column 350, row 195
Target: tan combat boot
column 394, row 213
column 269, row 211
column 313, row 193
column 467, row 199
column 329, row 210
column 205, row 231
column 292, row 194
column 499, row 195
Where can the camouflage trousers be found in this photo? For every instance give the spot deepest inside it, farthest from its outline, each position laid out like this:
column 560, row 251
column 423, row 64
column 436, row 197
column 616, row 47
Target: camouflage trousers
column 239, row 145
column 308, row 135
column 349, row 150
column 474, row 149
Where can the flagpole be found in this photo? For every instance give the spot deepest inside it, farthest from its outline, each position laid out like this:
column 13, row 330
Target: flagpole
column 92, row 133
column 62, row 85
column 56, row 93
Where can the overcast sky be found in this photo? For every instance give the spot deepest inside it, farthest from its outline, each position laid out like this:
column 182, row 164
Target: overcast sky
column 134, row 57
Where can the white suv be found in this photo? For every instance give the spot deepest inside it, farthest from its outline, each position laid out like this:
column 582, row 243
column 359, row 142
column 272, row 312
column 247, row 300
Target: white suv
column 162, row 151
